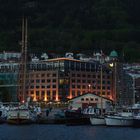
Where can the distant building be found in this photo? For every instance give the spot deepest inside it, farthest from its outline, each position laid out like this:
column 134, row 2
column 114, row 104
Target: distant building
column 10, row 56
column 129, row 90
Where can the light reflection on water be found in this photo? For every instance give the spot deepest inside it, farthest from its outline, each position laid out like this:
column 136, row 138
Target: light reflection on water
column 62, row 132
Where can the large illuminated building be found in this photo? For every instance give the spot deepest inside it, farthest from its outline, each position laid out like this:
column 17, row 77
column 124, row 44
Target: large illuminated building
column 60, row 79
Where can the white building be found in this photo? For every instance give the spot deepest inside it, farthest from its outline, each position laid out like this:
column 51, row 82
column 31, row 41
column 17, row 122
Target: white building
column 89, row 99
column 10, row 55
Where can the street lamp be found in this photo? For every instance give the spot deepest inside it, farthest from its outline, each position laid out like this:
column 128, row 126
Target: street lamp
column 89, row 88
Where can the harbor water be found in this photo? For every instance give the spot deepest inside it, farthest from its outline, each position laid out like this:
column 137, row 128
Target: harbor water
column 63, row 132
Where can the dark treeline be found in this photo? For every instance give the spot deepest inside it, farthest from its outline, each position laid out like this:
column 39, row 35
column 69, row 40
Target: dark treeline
column 59, row 26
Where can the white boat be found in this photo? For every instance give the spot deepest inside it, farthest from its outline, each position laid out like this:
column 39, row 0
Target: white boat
column 3, row 114
column 97, row 120
column 19, row 116
column 122, row 119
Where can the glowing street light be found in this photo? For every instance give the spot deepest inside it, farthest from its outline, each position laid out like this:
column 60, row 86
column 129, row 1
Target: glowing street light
column 89, row 88
column 111, row 65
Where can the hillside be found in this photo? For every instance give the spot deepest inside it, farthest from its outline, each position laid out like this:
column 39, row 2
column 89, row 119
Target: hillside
column 59, row 26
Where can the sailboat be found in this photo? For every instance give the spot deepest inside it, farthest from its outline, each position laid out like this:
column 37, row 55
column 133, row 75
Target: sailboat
column 122, row 118
column 99, row 119
column 21, row 114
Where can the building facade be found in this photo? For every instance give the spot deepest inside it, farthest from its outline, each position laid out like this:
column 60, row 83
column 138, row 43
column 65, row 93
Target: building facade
column 60, row 79
column 8, row 81
column 129, row 84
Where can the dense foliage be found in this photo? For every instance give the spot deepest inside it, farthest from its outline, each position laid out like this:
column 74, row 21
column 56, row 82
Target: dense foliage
column 59, row 26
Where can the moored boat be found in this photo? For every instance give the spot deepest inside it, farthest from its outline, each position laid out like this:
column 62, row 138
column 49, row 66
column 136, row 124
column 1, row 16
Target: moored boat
column 3, row 113
column 136, row 121
column 76, row 118
column 97, row 120
column 119, row 120
column 19, row 116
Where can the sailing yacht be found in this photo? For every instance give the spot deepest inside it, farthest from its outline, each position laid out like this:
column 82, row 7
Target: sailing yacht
column 21, row 114
column 122, row 118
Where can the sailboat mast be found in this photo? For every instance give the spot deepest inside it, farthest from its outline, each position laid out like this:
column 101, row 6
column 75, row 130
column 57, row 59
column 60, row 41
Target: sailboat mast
column 23, row 62
column 101, row 90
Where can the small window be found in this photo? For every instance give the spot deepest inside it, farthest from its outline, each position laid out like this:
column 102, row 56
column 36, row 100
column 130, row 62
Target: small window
column 37, row 86
column 48, row 80
column 87, row 99
column 96, row 99
column 91, row 99
column 108, row 93
column 43, row 80
column 54, row 80
column 82, row 99
column 54, row 75
column 78, row 86
column 54, row 86
column 78, row 75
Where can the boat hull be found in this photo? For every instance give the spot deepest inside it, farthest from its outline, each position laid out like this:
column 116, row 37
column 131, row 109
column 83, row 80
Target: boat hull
column 78, row 121
column 118, row 121
column 136, row 122
column 19, row 117
column 18, row 121
column 97, row 120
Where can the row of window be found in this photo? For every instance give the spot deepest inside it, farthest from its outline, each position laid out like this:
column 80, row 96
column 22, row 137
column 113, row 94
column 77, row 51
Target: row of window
column 42, row 93
column 89, row 99
column 90, row 81
column 90, row 76
column 43, row 75
column 72, row 75
column 73, row 86
column 74, row 93
column 93, row 87
column 73, row 81
column 43, row 80
column 43, row 86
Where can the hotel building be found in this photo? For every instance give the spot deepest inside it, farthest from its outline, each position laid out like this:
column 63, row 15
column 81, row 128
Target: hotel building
column 60, row 79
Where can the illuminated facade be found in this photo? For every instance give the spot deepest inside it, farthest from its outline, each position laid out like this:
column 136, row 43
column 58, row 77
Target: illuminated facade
column 62, row 78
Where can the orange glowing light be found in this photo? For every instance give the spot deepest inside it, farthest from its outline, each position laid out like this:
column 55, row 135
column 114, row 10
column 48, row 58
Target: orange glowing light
column 34, row 99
